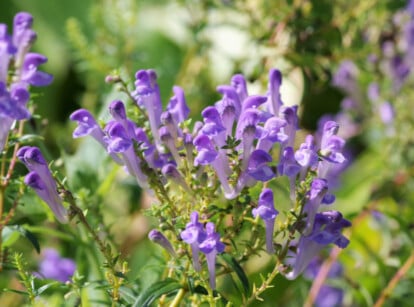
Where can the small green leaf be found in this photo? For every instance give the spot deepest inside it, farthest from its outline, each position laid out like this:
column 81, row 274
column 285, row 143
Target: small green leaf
column 45, row 287
column 235, row 266
column 12, row 233
column 156, row 290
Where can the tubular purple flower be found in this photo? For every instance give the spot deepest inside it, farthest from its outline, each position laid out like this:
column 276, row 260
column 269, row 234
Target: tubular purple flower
column 29, row 72
column 272, row 133
column 247, row 132
column 49, row 196
column 147, row 95
column 258, row 167
column 267, row 212
column 87, row 125
column 6, row 51
column 254, row 102
column 168, row 140
column 213, row 125
column 178, row 106
column 289, row 114
column 120, row 143
column 327, row 229
column 306, row 156
column 289, row 167
column 239, row 83
column 211, row 246
column 345, row 76
column 315, row 195
column 194, row 234
column 23, row 36
column 229, row 107
column 157, row 237
column 274, row 100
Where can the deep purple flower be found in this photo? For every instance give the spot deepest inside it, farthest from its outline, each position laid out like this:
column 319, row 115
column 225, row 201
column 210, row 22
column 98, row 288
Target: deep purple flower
column 306, row 155
column 267, row 212
column 258, row 167
column 327, row 229
column 23, row 36
column 119, row 142
column 194, row 234
column 41, row 180
column 53, row 266
column 213, row 125
column 157, row 237
column 211, row 246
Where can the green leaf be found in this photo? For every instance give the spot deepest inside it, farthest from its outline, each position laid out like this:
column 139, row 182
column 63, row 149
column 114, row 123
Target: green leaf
column 45, row 287
column 156, row 290
column 12, row 233
column 235, row 266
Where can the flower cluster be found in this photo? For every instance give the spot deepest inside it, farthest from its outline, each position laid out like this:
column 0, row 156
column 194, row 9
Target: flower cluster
column 41, row 180
column 18, row 71
column 234, row 145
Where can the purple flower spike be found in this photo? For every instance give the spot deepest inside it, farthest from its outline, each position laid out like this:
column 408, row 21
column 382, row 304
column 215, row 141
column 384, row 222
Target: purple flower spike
column 267, row 212
column 178, row 106
column 239, row 83
column 306, row 156
column 168, row 140
column 53, row 266
column 213, row 125
column 211, row 246
column 206, row 151
column 258, row 167
column 345, row 77
column 50, row 197
column 327, row 229
column 275, row 101
column 247, row 131
column 194, row 234
column 6, row 51
column 13, row 102
column 157, row 237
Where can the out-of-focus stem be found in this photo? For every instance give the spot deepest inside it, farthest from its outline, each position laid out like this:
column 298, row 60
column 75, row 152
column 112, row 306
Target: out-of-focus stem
column 395, row 279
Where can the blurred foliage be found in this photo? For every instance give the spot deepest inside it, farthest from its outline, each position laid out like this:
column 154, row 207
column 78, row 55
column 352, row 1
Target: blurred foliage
column 197, row 45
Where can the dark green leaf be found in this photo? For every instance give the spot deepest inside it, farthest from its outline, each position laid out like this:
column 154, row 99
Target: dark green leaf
column 45, row 287
column 156, row 290
column 11, row 234
column 235, row 266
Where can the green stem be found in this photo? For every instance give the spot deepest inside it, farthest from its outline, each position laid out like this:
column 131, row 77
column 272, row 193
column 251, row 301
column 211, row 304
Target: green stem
column 178, row 298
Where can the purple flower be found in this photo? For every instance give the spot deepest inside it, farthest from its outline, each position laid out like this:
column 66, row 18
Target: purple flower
column 211, row 246
column 30, row 74
column 41, row 180
column 170, row 171
column 157, row 237
column 289, row 114
column 147, row 96
column 258, row 167
column 239, row 83
column 327, row 229
column 194, row 234
column 306, row 156
column 273, row 131
column 345, row 77
column 289, row 167
column 267, row 212
column 229, row 107
column 315, row 195
column 119, row 142
column 178, row 106
column 274, row 100
column 53, row 266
